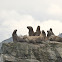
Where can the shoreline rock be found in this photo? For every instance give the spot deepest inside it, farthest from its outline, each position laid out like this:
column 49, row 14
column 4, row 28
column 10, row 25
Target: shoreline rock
column 49, row 51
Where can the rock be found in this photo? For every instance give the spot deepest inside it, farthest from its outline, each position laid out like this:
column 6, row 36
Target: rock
column 47, row 51
column 60, row 35
column 8, row 58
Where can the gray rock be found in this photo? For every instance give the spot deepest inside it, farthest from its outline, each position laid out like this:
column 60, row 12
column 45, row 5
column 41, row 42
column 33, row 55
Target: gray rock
column 47, row 51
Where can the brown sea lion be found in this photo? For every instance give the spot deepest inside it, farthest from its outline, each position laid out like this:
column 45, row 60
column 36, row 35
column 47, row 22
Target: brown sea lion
column 38, row 32
column 34, row 39
column 44, row 35
column 55, row 38
column 14, row 35
column 31, row 32
column 50, row 32
column 17, row 38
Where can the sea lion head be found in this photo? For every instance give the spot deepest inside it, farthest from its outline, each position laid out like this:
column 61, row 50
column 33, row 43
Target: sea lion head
column 30, row 28
column 51, row 29
column 38, row 28
column 14, row 32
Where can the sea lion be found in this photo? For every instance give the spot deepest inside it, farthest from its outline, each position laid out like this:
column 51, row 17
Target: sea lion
column 14, row 35
column 17, row 38
column 55, row 38
column 33, row 39
column 44, row 35
column 50, row 32
column 31, row 32
column 38, row 32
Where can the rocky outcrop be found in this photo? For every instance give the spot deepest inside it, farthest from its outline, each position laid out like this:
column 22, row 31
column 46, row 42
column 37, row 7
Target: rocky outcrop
column 5, row 41
column 60, row 35
column 47, row 51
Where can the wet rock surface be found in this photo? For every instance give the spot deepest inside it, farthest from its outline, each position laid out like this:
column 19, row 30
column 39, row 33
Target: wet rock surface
column 47, row 51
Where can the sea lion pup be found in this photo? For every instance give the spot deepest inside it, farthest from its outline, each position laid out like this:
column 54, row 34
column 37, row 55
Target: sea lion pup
column 55, row 38
column 38, row 32
column 17, row 38
column 31, row 32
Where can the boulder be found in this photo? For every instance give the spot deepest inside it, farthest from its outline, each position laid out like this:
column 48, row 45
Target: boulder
column 28, row 52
